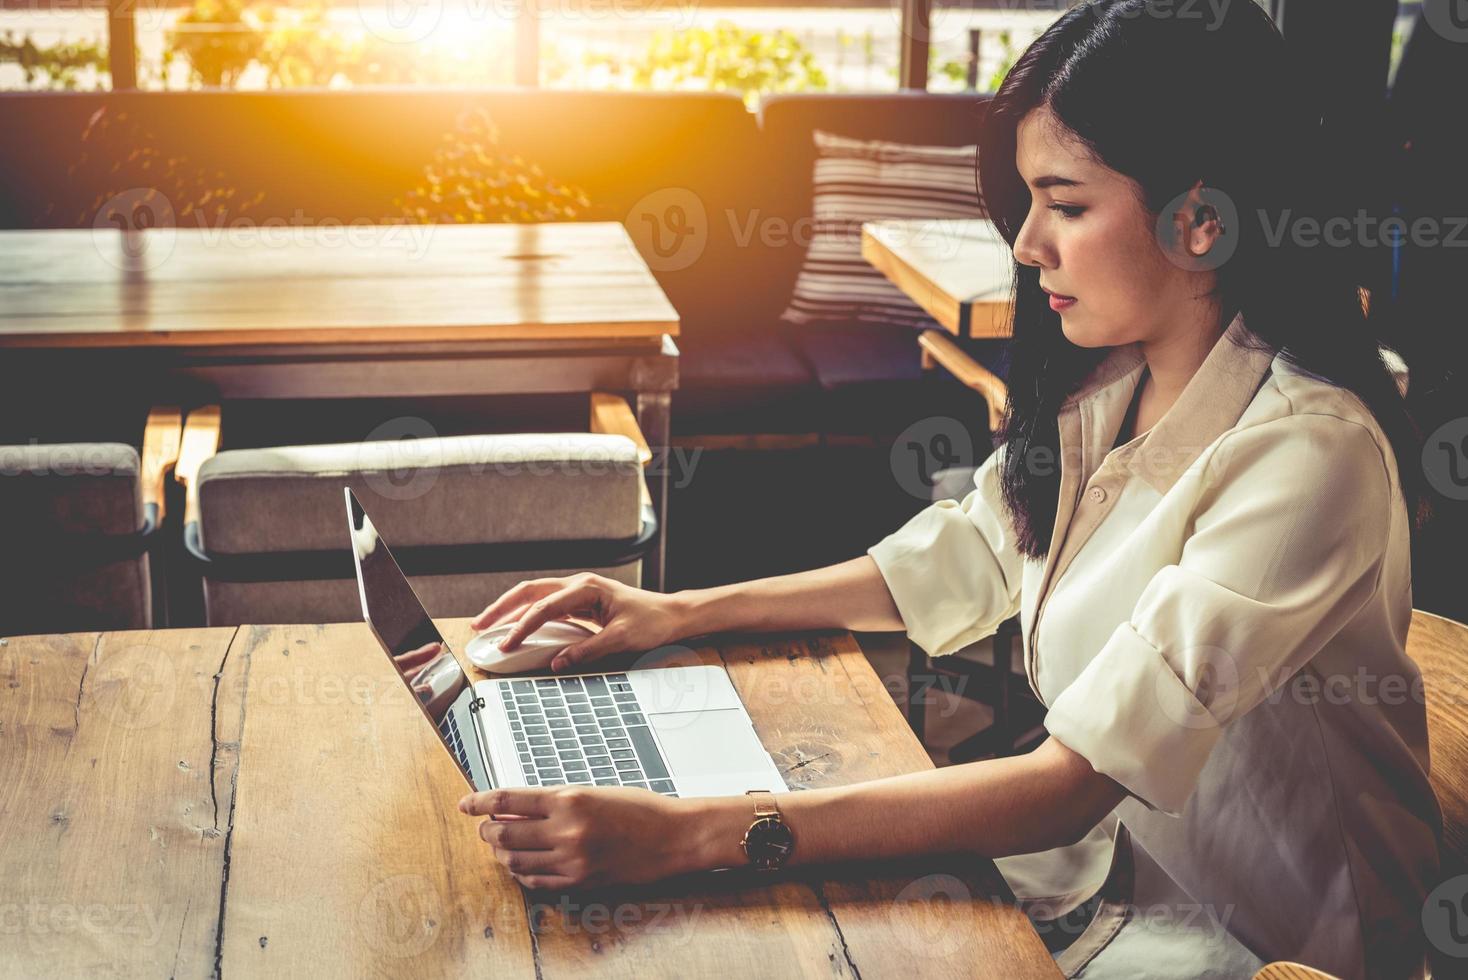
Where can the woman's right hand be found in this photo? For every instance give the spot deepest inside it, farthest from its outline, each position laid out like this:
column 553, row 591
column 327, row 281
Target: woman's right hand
column 630, row 618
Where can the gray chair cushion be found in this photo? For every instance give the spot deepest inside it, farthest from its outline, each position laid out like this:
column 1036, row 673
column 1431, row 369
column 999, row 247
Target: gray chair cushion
column 58, row 504
column 69, row 488
column 482, row 489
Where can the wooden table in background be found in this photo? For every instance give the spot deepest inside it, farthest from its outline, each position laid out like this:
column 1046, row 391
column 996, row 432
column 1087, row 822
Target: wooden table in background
column 957, row 270
column 343, row 311
column 268, row 801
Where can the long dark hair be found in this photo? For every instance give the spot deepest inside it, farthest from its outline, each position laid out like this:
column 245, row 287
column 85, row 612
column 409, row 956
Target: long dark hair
column 1170, row 100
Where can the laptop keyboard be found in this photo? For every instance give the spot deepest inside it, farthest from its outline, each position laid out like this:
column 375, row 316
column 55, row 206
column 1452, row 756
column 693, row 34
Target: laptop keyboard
column 586, row 730
column 449, row 728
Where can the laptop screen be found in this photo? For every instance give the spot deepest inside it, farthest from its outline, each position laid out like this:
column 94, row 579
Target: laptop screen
column 402, row 626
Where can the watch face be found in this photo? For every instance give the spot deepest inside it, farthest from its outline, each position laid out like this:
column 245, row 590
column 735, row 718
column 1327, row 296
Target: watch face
column 769, row 842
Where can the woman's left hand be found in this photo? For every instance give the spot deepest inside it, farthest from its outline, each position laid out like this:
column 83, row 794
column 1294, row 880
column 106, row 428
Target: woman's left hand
column 574, row 836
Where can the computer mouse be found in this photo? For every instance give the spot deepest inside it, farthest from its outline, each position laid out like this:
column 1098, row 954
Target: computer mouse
column 535, row 652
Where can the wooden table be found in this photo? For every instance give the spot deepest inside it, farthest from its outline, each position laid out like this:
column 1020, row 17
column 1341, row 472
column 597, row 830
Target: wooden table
column 323, row 311
column 958, row 270
column 267, row 801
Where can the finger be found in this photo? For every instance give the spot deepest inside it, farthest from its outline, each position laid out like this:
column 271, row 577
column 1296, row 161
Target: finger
column 531, row 862
column 524, row 802
column 606, row 642
column 509, row 615
column 517, row 835
column 571, row 599
column 544, row 882
column 521, row 595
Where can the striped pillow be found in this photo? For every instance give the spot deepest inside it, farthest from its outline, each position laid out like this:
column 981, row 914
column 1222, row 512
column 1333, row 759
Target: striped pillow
column 860, row 180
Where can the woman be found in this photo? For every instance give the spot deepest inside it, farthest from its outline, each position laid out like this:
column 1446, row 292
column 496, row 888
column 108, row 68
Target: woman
column 1201, row 507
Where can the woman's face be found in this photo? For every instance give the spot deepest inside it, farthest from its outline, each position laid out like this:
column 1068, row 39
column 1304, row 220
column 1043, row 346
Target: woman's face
column 1093, row 241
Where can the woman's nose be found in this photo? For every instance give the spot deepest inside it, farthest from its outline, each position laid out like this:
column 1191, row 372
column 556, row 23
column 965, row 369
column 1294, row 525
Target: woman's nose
column 1028, row 250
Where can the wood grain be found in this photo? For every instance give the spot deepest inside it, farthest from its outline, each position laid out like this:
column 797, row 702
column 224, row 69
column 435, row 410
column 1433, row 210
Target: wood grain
column 1439, row 647
column 347, row 855
column 112, row 833
column 162, row 437
column 969, row 372
column 328, row 843
column 953, row 268
column 174, row 287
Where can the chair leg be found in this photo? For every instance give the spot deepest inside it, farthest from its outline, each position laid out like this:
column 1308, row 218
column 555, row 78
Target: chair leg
column 919, row 672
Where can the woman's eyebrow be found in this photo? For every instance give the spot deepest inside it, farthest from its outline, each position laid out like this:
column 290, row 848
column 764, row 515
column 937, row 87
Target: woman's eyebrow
column 1051, row 180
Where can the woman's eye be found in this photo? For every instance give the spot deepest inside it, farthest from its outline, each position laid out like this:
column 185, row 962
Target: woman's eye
column 1067, row 210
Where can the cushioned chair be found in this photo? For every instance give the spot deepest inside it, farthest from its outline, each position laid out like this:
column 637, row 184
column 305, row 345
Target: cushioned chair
column 78, row 520
column 467, row 517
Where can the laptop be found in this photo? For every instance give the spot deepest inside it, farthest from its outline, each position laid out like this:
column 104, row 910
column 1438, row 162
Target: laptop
column 679, row 731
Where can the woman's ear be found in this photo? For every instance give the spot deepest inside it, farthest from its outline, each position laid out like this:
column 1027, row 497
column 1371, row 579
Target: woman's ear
column 1199, row 224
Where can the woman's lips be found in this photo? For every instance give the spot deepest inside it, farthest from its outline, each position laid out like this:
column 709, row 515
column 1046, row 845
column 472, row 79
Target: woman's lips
column 1059, row 302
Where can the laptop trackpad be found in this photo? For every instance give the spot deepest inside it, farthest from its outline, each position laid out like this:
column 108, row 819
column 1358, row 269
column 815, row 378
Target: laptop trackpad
column 713, row 752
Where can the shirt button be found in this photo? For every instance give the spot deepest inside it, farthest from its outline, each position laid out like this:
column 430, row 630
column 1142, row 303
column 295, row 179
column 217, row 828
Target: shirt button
column 1098, row 494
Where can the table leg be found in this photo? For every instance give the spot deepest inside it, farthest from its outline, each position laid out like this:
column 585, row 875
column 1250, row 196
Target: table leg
column 654, row 417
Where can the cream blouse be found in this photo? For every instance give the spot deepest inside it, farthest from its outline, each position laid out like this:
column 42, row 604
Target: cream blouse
column 1220, row 626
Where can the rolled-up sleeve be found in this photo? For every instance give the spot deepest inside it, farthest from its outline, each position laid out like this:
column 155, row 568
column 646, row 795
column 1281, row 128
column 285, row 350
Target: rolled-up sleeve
column 953, row 569
column 1289, row 535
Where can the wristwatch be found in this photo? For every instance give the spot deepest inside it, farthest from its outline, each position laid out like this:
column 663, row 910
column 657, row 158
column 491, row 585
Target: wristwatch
column 769, row 841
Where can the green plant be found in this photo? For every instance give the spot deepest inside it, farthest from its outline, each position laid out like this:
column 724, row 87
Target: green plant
column 53, row 65
column 471, row 179
column 726, row 57
column 218, row 38
column 1006, row 61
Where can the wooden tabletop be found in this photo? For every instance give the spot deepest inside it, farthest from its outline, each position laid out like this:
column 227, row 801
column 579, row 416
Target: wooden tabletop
column 265, row 799
column 264, row 284
column 958, row 270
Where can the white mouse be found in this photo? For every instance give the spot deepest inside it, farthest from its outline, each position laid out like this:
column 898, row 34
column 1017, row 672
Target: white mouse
column 535, row 652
